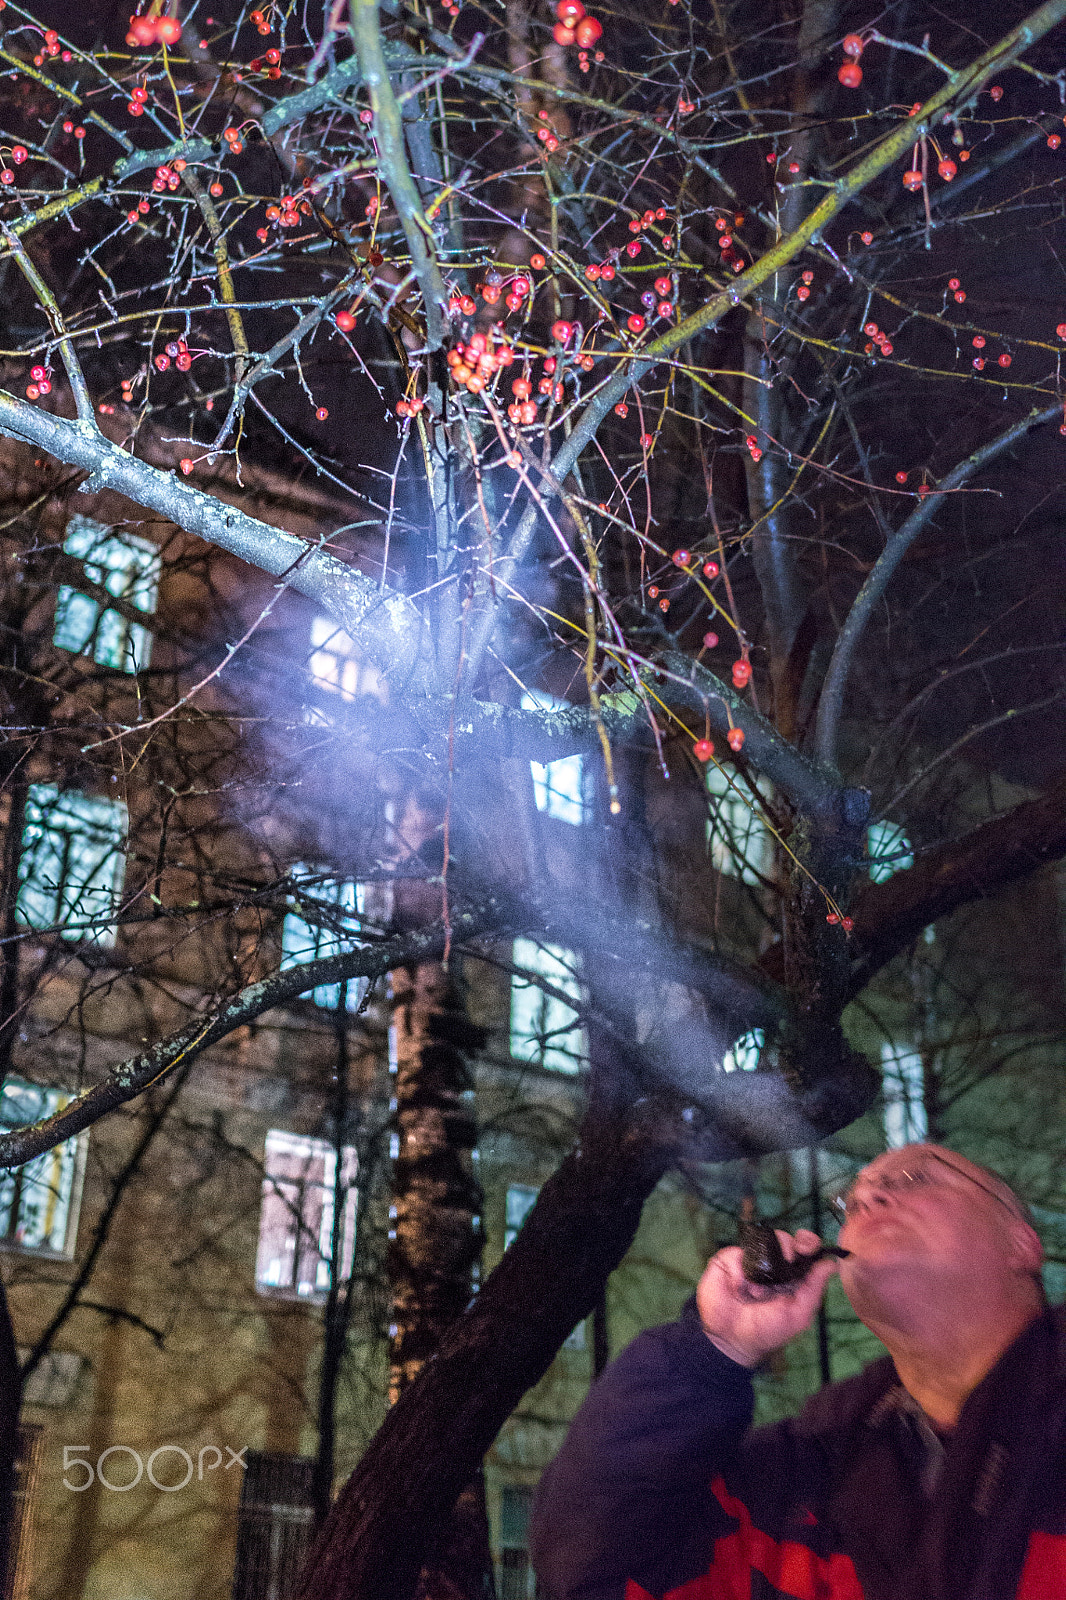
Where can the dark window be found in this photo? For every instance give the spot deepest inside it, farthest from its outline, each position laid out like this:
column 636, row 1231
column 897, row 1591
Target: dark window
column 273, row 1526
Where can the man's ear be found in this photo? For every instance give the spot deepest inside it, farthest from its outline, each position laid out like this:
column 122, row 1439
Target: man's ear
column 1027, row 1251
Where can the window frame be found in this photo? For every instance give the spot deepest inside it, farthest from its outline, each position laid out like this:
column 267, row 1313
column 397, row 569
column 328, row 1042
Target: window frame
column 84, row 626
column 45, row 802
column 308, row 1146
column 71, row 1153
column 542, row 1041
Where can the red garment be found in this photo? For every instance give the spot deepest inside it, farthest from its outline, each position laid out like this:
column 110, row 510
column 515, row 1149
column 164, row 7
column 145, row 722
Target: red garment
column 663, row 1492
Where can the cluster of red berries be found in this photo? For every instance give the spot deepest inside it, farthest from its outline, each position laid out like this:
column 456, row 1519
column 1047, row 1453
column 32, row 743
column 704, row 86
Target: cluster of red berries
column 877, row 339
column 232, row 137
column 409, row 408
column 273, row 63
column 752, row 444
column 175, row 350
column 168, row 177
column 153, row 30
column 703, row 749
column 914, row 178
column 474, row 364
column 574, row 27
column 639, row 224
column 138, row 98
column 77, row 131
column 286, row 213
column 260, row 21
column 850, row 74
column 803, row 290
column 51, row 48
column 847, row 923
column 18, row 155
column 140, row 210
column 41, row 384
column 727, row 244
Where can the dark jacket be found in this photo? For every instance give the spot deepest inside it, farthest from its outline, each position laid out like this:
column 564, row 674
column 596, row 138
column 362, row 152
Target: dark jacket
column 662, row 1489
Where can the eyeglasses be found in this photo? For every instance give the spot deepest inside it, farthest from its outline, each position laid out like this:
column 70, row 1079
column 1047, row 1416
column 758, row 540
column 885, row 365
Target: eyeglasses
column 922, row 1173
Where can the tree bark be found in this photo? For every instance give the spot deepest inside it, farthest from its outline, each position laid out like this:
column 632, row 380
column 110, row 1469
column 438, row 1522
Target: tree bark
column 383, row 1523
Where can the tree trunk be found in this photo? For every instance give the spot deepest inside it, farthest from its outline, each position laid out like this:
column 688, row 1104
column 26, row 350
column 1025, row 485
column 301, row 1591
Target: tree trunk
column 434, row 1241
column 381, row 1529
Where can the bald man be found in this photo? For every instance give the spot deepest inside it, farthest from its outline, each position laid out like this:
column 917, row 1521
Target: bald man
column 938, row 1473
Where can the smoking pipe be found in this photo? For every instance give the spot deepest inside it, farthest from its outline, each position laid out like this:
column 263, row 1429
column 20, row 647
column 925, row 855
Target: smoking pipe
column 764, row 1261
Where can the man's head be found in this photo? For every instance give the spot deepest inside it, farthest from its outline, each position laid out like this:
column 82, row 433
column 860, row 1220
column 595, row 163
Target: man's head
column 928, row 1229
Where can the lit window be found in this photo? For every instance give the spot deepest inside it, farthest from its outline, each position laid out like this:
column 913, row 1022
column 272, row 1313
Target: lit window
column 296, row 1220
column 126, row 567
column 558, row 786
column 889, row 850
column 334, row 665
column 903, row 1089
column 340, row 907
column 744, row 1054
column 521, row 1198
column 73, row 862
column 39, row 1202
column 544, row 1028
column 739, row 841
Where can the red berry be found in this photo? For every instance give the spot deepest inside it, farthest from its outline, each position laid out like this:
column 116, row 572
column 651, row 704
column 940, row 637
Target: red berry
column 996, row 92
column 621, row 409
column 710, row 641
column 537, row 262
column 832, row 918
column 1053, row 141
column 570, row 12
column 562, row 35
column 32, row 391
column 345, row 321
column 186, row 466
column 606, row 272
column 735, row 739
column 953, row 283
column 960, row 296
column 867, row 238
column 37, row 373
column 901, row 477
column 710, row 569
column 681, row 558
column 653, row 591
column 635, row 323
column 853, row 45
column 633, row 248
column 663, row 286
column 562, row 332
column 912, row 180
column 1004, row 360
column 947, row 169
column 19, row 154
column 978, row 342
column 703, row 749
column 741, row 673
column 588, row 32
column 162, row 362
column 321, row 413
column 850, row 75
column 847, row 923
column 1061, row 330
